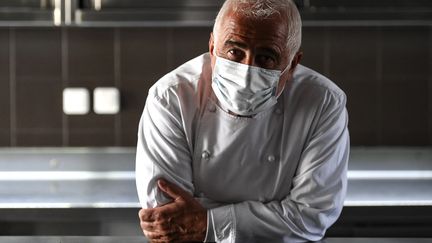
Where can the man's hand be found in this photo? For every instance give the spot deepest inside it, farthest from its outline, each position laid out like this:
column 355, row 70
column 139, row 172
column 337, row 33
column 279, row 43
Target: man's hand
column 182, row 220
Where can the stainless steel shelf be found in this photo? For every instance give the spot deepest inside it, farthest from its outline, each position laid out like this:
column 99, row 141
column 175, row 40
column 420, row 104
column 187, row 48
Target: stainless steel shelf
column 147, row 18
column 35, row 17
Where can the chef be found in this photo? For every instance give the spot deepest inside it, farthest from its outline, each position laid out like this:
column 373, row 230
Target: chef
column 243, row 144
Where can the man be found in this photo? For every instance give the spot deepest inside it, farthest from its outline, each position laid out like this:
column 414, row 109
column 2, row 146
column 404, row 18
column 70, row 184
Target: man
column 243, row 144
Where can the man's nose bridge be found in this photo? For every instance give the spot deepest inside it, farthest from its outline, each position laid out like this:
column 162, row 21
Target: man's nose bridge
column 250, row 59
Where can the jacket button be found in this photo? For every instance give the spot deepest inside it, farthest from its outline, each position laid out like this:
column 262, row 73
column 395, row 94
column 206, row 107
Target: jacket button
column 212, row 108
column 205, row 154
column 278, row 111
column 271, row 158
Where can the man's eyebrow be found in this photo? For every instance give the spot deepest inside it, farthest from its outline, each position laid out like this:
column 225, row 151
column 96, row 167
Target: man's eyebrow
column 235, row 43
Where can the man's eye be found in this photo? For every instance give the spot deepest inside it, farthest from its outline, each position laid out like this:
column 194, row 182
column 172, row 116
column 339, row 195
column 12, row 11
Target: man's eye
column 266, row 61
column 235, row 54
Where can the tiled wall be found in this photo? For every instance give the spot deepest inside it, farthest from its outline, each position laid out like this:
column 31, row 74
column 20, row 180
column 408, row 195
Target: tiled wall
column 385, row 71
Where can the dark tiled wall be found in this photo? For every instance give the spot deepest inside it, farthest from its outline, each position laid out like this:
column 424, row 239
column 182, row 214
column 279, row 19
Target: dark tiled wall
column 386, row 74
column 385, row 71
column 38, row 88
column 5, row 127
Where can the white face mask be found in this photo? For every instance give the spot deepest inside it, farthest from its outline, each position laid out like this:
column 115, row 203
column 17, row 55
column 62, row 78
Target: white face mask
column 243, row 89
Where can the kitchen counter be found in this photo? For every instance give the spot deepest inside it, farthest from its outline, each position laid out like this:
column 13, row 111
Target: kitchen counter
column 121, row 193
column 91, row 191
column 105, row 178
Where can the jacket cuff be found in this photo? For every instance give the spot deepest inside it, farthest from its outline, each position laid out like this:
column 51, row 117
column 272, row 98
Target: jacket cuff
column 222, row 222
column 210, row 234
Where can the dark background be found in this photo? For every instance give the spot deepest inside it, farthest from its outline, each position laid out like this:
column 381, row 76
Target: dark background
column 385, row 71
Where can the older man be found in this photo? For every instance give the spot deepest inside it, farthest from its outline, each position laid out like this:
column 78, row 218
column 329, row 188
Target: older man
column 243, row 144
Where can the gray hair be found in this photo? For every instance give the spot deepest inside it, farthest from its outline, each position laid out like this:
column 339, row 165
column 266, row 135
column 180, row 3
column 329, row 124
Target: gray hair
column 261, row 9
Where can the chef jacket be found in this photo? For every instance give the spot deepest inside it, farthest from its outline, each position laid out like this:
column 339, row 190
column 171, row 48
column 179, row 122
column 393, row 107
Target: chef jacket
column 279, row 176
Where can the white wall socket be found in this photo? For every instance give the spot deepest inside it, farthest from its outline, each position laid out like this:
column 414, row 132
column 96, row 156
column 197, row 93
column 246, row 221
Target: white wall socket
column 106, row 100
column 76, row 101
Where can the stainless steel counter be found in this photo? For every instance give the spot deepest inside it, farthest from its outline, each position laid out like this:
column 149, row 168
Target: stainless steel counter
column 121, row 193
column 396, row 176
column 82, row 191
column 104, row 178
column 67, row 178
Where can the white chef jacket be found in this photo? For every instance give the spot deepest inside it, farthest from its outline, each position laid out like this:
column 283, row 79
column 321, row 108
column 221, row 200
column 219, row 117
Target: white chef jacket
column 279, row 176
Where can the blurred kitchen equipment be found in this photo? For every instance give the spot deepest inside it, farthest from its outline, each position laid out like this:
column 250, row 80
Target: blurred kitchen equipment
column 202, row 12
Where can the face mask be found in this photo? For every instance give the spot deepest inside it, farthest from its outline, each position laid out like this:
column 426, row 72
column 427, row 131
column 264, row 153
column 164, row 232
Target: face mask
column 243, row 89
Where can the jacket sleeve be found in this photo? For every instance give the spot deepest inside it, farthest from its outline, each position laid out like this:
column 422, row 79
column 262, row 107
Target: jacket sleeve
column 162, row 149
column 315, row 200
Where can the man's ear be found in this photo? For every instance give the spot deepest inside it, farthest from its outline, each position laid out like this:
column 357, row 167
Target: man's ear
column 211, row 44
column 296, row 60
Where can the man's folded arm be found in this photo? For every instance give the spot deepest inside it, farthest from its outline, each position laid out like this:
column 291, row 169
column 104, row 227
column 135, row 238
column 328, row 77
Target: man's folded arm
column 162, row 150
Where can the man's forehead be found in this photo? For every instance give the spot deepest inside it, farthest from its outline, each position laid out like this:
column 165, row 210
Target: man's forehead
column 248, row 18
column 236, row 26
column 272, row 23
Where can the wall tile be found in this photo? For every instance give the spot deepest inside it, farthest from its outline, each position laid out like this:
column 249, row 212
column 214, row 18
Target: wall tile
column 143, row 60
column 405, row 114
column 132, row 106
column 363, row 112
column 39, row 106
column 313, row 47
column 5, row 138
column 91, row 123
column 430, row 86
column 38, row 54
column 130, row 136
column 91, row 139
column 353, row 65
column 38, row 83
column 39, row 113
column 4, row 112
column 405, row 54
column 188, row 43
column 91, row 57
column 4, row 53
column 405, row 77
column 353, row 54
column 143, row 53
column 44, row 138
column 86, row 129
column 4, row 88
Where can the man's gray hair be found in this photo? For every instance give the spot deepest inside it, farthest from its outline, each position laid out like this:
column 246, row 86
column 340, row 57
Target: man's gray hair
column 261, row 9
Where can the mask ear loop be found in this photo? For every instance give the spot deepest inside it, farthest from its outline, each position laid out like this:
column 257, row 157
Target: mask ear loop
column 282, row 73
column 287, row 68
